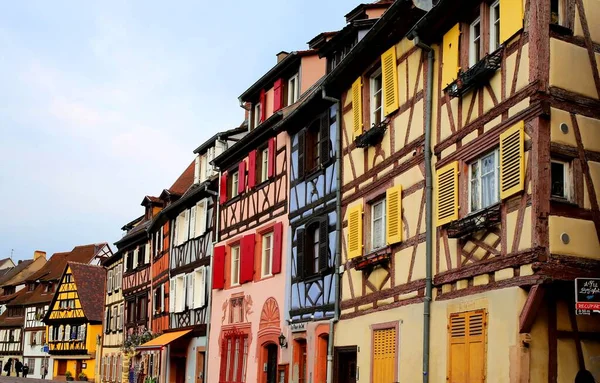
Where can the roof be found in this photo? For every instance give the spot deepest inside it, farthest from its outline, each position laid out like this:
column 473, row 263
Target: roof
column 151, row 199
column 320, row 39
column 130, row 225
column 185, row 180
column 6, row 260
column 164, row 339
column 440, row 18
column 225, row 134
column 11, row 272
column 359, row 10
column 137, row 232
column 91, row 288
column 53, row 269
column 22, row 271
column 6, row 321
column 29, row 298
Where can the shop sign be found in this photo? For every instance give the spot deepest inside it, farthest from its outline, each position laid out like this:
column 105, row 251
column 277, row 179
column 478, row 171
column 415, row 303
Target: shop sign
column 587, row 296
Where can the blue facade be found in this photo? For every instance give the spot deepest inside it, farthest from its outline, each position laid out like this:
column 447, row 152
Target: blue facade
column 313, row 205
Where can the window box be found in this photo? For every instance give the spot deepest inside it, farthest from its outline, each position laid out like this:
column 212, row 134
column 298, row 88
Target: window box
column 372, row 136
column 472, row 223
column 375, row 258
column 477, row 75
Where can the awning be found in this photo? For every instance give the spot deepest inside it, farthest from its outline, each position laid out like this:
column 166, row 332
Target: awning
column 163, row 340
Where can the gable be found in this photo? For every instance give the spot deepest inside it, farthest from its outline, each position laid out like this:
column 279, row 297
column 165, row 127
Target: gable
column 66, row 303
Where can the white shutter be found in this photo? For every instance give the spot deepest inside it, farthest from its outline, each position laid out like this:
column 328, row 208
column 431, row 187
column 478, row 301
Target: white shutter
column 199, row 287
column 201, row 218
column 181, row 287
column 172, row 293
column 125, row 257
column 197, row 170
column 179, row 229
column 109, row 280
column 193, row 213
column 135, row 258
column 162, row 297
column 186, row 225
column 147, row 254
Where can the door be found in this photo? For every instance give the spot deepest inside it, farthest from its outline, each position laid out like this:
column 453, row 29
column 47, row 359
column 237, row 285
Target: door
column 77, row 369
column 272, row 363
column 200, row 367
column 62, row 367
column 345, row 361
column 302, row 378
column 384, row 355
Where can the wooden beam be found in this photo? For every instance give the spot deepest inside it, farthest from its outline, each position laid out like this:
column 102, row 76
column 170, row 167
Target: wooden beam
column 552, row 341
column 531, row 308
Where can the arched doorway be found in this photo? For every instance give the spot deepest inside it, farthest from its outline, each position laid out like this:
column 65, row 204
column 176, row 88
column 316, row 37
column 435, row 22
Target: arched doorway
column 271, row 350
column 268, row 341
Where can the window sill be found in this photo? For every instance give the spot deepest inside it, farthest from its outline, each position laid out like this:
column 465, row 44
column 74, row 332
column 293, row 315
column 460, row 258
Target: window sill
column 563, row 201
column 476, row 75
column 373, row 259
column 561, row 29
column 372, row 136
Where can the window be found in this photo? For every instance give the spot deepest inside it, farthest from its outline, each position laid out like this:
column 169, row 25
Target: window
column 131, row 311
column 495, row 26
column 484, row 178
column 129, row 260
column 235, row 265
column 30, row 286
column 560, row 176
column 31, row 365
column 376, row 98
column 256, row 114
column 293, row 89
column 311, row 251
column 67, row 304
column 378, row 225
column 467, row 340
column 113, row 319
column 120, row 317
column 109, row 282
column 236, row 310
column 199, row 287
column 312, row 148
column 233, row 187
column 68, row 278
column 264, row 165
column 157, row 300
column 141, row 255
column 189, row 291
column 267, row 254
column 234, row 356
column 557, row 12
column 475, row 42
column 48, row 288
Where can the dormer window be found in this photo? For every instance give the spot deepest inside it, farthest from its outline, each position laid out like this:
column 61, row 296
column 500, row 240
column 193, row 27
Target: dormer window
column 256, row 114
column 293, row 89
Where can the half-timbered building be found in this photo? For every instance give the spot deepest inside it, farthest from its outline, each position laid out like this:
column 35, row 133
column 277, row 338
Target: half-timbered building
column 110, row 367
column 74, row 320
column 36, row 297
column 248, row 279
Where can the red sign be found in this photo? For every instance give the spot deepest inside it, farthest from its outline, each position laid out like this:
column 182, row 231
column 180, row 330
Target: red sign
column 587, row 306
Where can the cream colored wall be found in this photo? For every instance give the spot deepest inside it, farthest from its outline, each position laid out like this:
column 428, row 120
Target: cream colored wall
column 570, row 68
column 592, row 14
column 312, row 68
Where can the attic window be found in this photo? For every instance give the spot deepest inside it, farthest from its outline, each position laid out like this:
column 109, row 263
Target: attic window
column 68, row 278
column 30, row 286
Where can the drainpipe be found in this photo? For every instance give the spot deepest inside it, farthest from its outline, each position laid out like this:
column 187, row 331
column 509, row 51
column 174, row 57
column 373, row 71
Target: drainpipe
column 338, row 232
column 210, row 275
column 428, row 210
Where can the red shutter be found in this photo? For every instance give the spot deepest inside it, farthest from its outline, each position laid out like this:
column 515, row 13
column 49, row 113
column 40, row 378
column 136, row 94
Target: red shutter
column 277, row 240
column 223, row 191
column 219, row 267
column 251, row 169
column 278, row 95
column 242, row 177
column 272, row 157
column 247, row 258
column 263, row 105
column 223, row 370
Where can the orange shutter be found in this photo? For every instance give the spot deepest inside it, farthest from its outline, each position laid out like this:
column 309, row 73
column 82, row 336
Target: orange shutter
column 384, row 355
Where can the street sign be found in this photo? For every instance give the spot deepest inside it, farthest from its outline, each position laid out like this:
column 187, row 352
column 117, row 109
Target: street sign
column 587, row 296
column 45, row 348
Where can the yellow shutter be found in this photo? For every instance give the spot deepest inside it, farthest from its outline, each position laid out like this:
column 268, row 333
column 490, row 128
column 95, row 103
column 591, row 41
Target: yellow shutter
column 511, row 18
column 389, row 78
column 394, row 214
column 384, row 355
column 467, row 346
column 357, row 120
column 447, row 193
column 512, row 160
column 355, row 231
column 450, row 51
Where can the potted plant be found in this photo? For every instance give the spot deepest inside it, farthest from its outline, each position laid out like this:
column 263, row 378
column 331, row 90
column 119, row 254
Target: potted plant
column 69, row 376
column 82, row 377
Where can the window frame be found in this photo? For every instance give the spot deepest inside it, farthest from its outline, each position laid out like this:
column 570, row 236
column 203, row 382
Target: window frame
column 372, row 97
column 237, row 249
column 567, row 180
column 496, row 152
column 233, row 185
column 264, row 165
column 561, row 13
column 256, row 112
column 473, row 59
column 379, row 201
column 494, row 29
column 293, row 94
column 312, row 149
column 263, row 259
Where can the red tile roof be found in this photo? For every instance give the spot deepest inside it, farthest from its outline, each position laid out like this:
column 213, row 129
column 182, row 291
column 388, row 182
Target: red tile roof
column 185, row 180
column 90, row 281
column 6, row 321
column 53, row 269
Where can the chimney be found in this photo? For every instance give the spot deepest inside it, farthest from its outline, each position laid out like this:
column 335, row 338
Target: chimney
column 38, row 253
column 247, row 108
column 281, row 55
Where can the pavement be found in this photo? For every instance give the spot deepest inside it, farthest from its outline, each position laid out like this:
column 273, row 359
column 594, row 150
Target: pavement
column 14, row 379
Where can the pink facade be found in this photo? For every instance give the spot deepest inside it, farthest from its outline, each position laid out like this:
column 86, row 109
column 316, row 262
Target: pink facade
column 248, row 314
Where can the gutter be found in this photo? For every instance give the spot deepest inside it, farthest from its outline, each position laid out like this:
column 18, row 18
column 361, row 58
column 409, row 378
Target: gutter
column 428, row 209
column 338, row 233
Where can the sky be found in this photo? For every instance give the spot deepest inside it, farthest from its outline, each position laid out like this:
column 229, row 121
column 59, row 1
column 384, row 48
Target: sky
column 103, row 102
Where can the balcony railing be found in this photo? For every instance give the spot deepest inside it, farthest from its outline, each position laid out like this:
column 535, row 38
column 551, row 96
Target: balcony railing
column 477, row 75
column 67, row 347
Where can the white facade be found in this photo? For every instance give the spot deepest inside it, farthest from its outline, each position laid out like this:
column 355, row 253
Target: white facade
column 34, row 339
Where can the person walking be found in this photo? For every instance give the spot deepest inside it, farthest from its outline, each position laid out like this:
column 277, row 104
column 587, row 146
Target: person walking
column 18, row 367
column 584, row 376
column 8, row 366
column 25, row 370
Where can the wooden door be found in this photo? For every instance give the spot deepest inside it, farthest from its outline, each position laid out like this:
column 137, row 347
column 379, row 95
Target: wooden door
column 467, row 347
column 200, row 366
column 384, row 355
column 62, row 367
column 77, row 369
column 302, row 378
column 272, row 350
